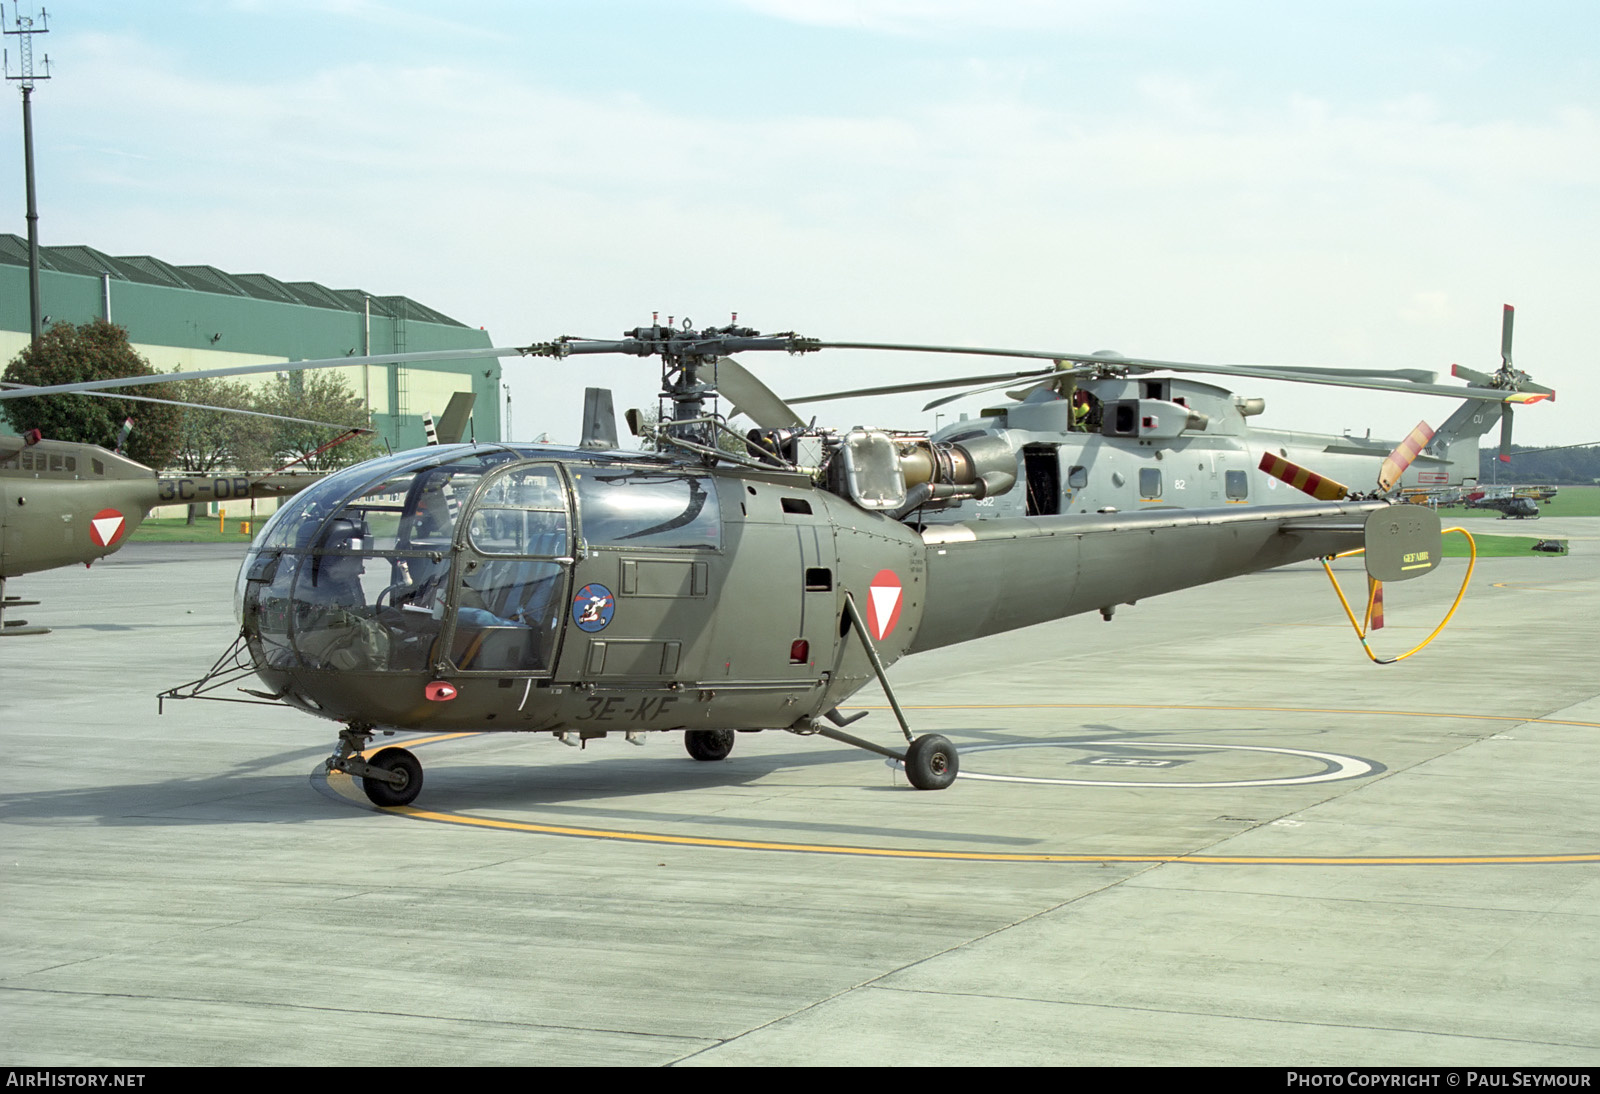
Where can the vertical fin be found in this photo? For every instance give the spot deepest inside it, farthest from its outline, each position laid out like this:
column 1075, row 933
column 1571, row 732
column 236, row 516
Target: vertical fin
column 599, row 419
column 457, row 413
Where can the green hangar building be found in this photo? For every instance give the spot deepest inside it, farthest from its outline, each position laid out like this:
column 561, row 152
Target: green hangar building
column 195, row 317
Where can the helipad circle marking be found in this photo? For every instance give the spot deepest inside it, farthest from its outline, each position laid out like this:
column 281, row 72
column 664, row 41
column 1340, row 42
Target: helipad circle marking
column 1335, row 767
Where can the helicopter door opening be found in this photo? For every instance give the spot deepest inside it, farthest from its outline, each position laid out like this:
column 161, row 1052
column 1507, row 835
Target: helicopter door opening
column 510, row 593
column 1042, row 466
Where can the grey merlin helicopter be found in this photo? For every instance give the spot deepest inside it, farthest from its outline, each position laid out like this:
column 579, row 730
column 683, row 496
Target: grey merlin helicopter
column 722, row 583
column 1103, row 432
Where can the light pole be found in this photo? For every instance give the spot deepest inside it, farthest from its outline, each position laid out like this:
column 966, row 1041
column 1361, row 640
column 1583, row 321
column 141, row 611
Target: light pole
column 23, row 27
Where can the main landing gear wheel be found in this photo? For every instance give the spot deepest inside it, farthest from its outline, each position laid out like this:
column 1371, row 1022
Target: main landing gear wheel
column 931, row 762
column 708, row 744
column 396, row 761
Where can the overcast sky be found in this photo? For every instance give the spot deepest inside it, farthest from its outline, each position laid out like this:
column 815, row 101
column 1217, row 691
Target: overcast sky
column 1338, row 184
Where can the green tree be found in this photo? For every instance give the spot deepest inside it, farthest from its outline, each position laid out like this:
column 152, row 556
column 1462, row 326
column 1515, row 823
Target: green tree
column 320, row 396
column 212, row 440
column 209, row 440
column 97, row 350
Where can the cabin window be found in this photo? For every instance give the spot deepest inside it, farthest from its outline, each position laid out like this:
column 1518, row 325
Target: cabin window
column 1150, row 483
column 1238, row 485
column 522, row 511
column 633, row 507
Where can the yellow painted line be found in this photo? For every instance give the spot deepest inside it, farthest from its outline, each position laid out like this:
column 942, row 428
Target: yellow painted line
column 983, row 856
column 344, row 785
column 413, row 742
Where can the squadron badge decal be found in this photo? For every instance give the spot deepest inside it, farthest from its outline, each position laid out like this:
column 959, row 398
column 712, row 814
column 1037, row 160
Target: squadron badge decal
column 592, row 607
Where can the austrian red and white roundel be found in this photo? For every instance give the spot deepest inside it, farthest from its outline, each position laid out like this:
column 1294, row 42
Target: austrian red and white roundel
column 884, row 598
column 106, row 527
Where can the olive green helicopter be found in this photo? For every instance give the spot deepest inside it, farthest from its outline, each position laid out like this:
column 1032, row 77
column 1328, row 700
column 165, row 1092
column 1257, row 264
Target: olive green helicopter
column 719, row 582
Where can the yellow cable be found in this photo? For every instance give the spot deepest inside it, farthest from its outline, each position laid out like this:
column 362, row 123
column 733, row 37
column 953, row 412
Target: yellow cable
column 1360, row 628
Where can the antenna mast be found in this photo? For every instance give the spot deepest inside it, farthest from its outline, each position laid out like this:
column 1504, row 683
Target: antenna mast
column 23, row 27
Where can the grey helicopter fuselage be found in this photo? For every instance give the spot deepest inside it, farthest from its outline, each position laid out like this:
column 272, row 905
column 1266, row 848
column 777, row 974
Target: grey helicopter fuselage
column 1171, row 442
column 513, row 587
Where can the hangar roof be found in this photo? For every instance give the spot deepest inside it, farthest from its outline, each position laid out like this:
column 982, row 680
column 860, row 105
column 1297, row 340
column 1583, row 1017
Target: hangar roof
column 89, row 262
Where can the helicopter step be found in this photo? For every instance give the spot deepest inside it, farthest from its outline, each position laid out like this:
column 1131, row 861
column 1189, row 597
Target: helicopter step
column 12, row 627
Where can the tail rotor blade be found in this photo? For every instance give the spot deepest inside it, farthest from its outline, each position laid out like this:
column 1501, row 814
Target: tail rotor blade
column 1472, row 376
column 1505, row 434
column 1395, row 464
column 1301, row 479
column 1505, row 338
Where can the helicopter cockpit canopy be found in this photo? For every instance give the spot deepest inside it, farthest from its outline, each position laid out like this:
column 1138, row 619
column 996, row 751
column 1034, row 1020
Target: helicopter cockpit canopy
column 456, row 554
column 454, row 559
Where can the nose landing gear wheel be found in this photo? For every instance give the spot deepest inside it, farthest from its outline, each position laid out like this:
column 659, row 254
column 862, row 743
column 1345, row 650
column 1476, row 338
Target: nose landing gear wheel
column 931, row 762
column 396, row 761
column 708, row 744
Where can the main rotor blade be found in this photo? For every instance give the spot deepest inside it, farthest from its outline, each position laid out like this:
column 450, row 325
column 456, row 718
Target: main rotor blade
column 989, row 387
column 1331, row 378
column 1396, row 462
column 751, row 397
column 1412, row 375
column 30, row 390
column 1302, row 479
column 922, row 385
column 276, row 366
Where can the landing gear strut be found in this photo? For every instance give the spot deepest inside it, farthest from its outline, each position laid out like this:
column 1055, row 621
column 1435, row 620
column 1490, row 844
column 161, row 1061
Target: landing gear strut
column 930, row 761
column 393, row 776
